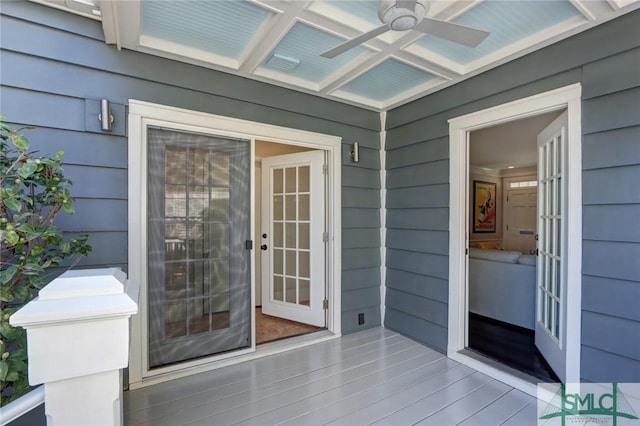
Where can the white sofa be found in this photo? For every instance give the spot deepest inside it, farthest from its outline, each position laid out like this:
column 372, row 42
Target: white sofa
column 502, row 286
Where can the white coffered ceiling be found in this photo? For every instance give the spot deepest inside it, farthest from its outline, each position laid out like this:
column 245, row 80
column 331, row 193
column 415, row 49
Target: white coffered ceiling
column 280, row 41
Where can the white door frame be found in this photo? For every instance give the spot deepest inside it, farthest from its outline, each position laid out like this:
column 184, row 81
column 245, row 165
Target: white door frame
column 142, row 114
column 568, row 97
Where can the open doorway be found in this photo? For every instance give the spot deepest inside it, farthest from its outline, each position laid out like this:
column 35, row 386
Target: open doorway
column 503, row 206
column 558, row 277
column 286, row 196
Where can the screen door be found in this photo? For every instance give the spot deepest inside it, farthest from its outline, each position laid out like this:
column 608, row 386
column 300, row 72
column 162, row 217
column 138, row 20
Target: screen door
column 199, row 284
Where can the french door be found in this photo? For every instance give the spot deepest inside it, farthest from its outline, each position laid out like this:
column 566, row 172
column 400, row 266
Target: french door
column 551, row 307
column 199, row 284
column 293, row 262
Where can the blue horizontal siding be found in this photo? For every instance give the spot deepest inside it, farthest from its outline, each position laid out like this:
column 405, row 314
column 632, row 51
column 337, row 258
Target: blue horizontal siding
column 618, row 222
column 432, row 265
column 434, row 219
column 426, row 196
column 604, row 366
column 610, row 295
column 51, row 78
column 611, row 148
column 418, row 285
column 417, row 133
column 418, row 175
column 423, row 331
column 434, row 242
column 433, row 150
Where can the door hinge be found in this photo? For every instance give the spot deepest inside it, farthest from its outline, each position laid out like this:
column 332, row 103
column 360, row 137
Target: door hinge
column 325, row 304
column 248, row 244
column 325, row 169
column 325, row 237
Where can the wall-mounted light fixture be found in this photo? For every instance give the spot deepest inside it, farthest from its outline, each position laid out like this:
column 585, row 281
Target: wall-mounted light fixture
column 355, row 152
column 105, row 117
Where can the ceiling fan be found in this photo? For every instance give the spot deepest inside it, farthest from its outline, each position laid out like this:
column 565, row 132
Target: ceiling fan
column 403, row 15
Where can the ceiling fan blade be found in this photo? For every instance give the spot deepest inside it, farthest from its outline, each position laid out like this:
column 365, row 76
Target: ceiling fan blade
column 350, row 44
column 407, row 4
column 453, row 32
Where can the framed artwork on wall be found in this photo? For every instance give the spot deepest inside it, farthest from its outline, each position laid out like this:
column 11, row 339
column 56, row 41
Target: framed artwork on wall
column 484, row 207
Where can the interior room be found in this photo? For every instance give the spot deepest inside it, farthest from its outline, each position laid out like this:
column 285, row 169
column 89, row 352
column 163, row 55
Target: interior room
column 270, row 328
column 503, row 243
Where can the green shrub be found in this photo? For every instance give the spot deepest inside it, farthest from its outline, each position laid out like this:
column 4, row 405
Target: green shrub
column 33, row 190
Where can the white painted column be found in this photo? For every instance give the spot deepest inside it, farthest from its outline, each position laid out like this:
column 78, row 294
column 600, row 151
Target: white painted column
column 78, row 342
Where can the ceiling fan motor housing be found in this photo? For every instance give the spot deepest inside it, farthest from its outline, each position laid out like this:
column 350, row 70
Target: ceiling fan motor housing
column 398, row 18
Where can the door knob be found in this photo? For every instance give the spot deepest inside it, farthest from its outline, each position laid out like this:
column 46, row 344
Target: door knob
column 263, row 247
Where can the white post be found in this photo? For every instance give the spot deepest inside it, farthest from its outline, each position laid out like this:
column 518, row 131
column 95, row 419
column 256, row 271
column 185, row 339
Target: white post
column 78, row 342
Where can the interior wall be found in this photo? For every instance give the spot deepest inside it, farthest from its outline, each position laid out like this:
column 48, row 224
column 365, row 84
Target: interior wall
column 503, row 151
column 492, row 237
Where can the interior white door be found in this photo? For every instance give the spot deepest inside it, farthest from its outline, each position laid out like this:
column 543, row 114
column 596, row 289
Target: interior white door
column 257, row 282
column 551, row 306
column 520, row 219
column 293, row 214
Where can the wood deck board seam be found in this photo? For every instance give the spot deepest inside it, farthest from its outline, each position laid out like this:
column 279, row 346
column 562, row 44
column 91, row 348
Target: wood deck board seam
column 376, row 376
column 285, row 387
column 318, row 405
column 188, row 382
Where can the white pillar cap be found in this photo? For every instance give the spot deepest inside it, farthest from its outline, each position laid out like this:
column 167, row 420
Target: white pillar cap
column 80, row 295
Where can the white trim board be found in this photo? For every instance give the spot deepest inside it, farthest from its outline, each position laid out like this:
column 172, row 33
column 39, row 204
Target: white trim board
column 143, row 113
column 459, row 129
column 383, row 217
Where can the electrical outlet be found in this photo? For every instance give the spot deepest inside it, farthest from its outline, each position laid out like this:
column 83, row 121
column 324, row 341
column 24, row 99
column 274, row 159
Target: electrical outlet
column 361, row 318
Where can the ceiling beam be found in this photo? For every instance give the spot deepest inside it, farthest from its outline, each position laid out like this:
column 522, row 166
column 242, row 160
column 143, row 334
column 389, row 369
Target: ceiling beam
column 448, row 10
column 592, row 9
column 337, row 27
column 347, row 74
column 269, row 35
column 434, row 65
column 121, row 22
column 110, row 24
column 122, row 25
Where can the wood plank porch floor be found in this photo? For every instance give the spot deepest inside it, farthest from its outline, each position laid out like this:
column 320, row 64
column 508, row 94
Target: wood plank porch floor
column 375, row 376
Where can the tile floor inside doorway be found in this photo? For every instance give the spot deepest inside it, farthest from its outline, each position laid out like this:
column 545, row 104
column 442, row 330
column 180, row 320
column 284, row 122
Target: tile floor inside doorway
column 270, row 328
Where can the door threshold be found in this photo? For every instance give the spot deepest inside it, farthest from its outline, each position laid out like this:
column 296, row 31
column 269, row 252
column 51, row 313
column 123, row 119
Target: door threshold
column 243, row 355
column 492, row 368
column 289, row 343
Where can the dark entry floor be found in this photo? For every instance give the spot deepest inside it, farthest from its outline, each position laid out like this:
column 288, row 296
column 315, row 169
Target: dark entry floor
column 511, row 345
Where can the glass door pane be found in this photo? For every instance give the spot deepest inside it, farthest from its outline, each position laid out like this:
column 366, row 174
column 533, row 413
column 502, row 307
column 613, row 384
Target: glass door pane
column 549, row 283
column 291, row 235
